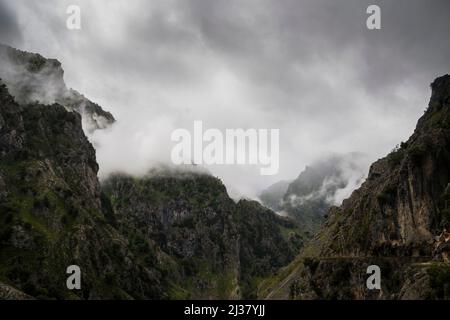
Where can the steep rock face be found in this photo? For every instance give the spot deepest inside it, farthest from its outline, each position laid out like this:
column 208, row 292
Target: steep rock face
column 32, row 78
column 190, row 219
column 404, row 203
column 214, row 247
column 266, row 241
column 398, row 219
column 51, row 213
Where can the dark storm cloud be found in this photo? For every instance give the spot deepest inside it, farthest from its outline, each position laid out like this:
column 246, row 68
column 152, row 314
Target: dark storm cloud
column 413, row 44
column 272, row 44
column 268, row 38
column 9, row 28
column 308, row 67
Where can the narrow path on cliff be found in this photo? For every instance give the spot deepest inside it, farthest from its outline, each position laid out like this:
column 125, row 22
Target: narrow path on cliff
column 282, row 285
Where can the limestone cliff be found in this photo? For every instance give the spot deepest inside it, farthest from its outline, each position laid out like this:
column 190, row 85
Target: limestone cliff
column 398, row 219
column 51, row 210
column 213, row 247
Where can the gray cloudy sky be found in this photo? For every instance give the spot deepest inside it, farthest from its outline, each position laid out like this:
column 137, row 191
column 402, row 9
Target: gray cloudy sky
column 308, row 67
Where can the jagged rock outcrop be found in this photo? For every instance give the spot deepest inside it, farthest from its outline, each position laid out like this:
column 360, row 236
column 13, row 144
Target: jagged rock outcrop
column 398, row 219
column 32, row 78
column 215, row 247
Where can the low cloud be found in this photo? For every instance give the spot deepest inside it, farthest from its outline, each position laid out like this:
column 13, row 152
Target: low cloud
column 309, row 68
column 331, row 179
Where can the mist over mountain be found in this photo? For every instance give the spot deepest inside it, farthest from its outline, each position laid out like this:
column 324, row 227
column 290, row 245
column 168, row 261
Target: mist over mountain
column 168, row 234
column 32, row 78
column 172, row 234
column 321, row 185
column 93, row 184
column 272, row 197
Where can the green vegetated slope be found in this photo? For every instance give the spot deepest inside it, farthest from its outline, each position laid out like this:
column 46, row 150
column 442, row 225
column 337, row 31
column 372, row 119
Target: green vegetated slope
column 398, row 219
column 214, row 247
column 51, row 211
